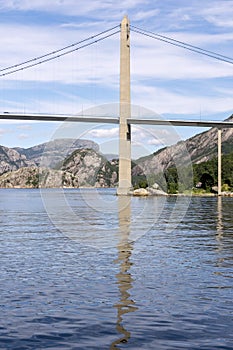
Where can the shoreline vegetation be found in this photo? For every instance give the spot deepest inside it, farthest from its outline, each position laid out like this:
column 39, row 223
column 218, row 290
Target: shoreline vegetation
column 168, row 182
column 88, row 169
column 79, row 164
column 190, row 194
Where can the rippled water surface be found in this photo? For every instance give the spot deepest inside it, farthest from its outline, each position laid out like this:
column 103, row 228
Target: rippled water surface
column 85, row 269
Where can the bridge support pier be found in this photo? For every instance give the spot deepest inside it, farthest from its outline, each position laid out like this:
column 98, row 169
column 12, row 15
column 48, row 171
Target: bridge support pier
column 125, row 111
column 219, row 162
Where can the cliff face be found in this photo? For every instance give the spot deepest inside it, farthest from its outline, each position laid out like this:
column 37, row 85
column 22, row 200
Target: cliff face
column 34, row 177
column 21, row 178
column 83, row 168
column 11, row 160
column 91, row 168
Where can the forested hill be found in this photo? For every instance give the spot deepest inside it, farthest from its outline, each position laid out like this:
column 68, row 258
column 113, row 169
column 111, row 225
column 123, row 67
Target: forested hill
column 197, row 149
column 202, row 177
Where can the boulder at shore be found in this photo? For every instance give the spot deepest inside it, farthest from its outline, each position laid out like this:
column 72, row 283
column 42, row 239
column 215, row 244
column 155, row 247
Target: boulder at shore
column 140, row 192
column 149, row 191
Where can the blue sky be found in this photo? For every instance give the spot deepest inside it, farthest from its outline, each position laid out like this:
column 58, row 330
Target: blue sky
column 167, row 80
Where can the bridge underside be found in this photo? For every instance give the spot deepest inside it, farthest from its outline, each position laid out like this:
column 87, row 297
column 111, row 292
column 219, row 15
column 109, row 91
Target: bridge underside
column 111, row 120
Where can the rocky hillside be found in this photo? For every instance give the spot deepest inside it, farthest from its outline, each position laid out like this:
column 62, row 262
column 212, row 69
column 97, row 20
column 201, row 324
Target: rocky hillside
column 198, row 149
column 34, row 177
column 83, row 168
column 11, row 160
column 75, row 163
column 50, row 154
column 91, row 168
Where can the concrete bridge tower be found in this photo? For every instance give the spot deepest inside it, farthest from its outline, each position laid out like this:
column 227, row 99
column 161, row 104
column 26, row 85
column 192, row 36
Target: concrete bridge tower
column 125, row 111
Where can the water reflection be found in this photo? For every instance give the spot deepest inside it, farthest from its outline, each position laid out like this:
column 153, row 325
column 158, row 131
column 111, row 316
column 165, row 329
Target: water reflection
column 124, row 278
column 219, row 219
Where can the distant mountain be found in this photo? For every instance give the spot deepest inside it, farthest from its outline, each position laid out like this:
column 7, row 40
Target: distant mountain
column 199, row 148
column 74, row 163
column 110, row 156
column 83, row 168
column 50, row 154
column 53, row 152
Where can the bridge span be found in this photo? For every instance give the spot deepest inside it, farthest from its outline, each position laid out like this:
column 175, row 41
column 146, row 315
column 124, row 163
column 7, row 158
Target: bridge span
column 74, row 118
column 125, row 120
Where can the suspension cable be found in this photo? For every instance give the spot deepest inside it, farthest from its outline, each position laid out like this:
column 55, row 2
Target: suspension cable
column 45, row 58
column 182, row 44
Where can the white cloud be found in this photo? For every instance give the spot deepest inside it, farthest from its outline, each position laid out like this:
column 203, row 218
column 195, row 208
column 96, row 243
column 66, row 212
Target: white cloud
column 103, row 133
column 142, row 15
column 23, row 136
column 151, row 58
column 221, row 21
column 24, row 127
column 4, row 131
column 80, row 25
column 195, row 15
column 219, row 13
column 72, row 7
column 98, row 63
column 163, row 101
column 180, row 14
column 153, row 136
column 154, row 142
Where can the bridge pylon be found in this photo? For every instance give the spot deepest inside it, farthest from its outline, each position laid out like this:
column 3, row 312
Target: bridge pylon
column 125, row 111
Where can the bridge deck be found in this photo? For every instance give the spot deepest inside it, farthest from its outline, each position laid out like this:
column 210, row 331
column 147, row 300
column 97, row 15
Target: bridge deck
column 193, row 123
column 113, row 120
column 58, row 118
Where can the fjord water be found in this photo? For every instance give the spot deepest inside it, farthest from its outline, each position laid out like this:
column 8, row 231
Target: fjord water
column 80, row 271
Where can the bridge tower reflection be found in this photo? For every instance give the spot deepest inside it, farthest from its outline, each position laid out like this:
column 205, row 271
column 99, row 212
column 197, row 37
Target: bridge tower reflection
column 124, row 278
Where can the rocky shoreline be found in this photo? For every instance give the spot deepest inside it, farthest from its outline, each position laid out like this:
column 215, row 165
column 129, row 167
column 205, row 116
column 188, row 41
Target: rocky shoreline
column 149, row 191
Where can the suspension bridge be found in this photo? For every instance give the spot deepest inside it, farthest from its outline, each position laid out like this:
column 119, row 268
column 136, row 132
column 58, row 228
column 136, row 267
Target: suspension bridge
column 124, row 120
